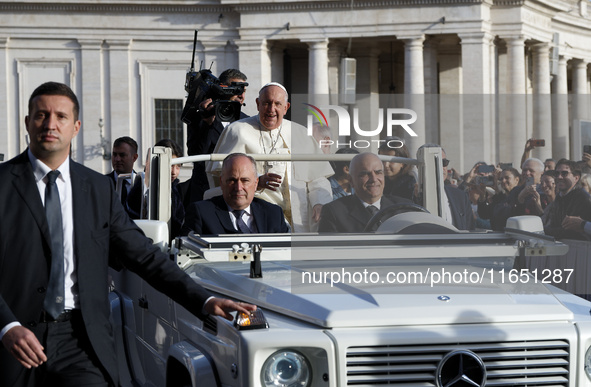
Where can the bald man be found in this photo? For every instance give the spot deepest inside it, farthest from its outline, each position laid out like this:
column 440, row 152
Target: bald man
column 352, row 213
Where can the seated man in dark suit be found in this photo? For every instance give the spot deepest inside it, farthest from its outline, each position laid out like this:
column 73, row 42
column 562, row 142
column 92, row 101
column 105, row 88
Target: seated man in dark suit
column 237, row 210
column 351, row 213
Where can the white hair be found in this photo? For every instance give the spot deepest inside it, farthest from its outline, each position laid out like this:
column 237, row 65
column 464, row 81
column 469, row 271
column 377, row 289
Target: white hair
column 535, row 161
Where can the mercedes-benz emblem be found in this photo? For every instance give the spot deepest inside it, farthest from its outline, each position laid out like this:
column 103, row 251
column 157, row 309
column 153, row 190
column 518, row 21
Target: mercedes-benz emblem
column 461, row 368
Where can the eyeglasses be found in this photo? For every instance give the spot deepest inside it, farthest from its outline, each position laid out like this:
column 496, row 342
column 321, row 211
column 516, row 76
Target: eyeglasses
column 445, row 162
column 563, row 173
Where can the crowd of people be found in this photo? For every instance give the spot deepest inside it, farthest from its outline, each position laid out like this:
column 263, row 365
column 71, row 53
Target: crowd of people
column 556, row 191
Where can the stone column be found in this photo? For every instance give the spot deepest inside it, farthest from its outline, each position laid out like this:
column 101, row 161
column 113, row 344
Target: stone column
column 9, row 145
column 476, row 93
column 335, row 53
column 432, row 102
column 255, row 62
column 580, row 110
column 516, row 102
column 414, row 88
column 117, row 119
column 414, row 77
column 560, row 122
column 368, row 100
column 91, row 102
column 542, row 107
column 451, row 118
column 317, row 66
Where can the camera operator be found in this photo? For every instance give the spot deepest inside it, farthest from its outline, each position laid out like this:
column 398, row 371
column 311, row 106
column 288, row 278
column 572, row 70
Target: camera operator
column 204, row 131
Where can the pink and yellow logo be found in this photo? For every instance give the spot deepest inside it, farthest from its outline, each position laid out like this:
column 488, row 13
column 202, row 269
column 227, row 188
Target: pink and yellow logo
column 317, row 113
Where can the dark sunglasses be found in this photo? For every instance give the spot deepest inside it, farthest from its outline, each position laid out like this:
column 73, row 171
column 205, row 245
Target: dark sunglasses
column 563, row 173
column 445, row 162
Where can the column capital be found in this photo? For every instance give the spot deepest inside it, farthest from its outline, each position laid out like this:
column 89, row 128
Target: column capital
column 315, row 42
column 513, row 39
column 412, row 40
column 476, row 38
column 579, row 62
column 540, row 45
column 4, row 41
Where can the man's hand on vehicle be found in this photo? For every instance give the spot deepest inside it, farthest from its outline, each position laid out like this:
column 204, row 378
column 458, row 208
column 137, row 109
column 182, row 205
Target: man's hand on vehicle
column 222, row 307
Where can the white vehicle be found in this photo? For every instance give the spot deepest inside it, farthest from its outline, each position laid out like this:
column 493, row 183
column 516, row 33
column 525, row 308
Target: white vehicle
column 398, row 307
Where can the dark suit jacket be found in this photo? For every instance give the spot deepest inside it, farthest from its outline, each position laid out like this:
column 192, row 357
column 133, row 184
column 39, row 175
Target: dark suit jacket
column 101, row 230
column 131, row 199
column 112, row 176
column 209, row 217
column 461, row 208
column 347, row 214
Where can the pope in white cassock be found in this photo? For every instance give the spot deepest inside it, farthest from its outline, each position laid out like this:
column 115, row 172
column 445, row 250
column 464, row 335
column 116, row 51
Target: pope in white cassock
column 299, row 188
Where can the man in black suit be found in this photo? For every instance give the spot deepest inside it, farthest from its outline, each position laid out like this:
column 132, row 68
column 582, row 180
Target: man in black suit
column 123, row 157
column 54, row 309
column 204, row 132
column 351, row 213
column 237, row 210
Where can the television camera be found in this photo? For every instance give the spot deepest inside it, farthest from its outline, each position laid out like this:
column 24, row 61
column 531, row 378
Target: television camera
column 201, row 85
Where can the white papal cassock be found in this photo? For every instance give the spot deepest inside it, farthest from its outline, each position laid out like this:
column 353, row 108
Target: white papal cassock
column 303, row 185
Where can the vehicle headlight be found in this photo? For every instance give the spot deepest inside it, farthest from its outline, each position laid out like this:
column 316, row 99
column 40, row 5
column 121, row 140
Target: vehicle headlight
column 588, row 362
column 286, row 368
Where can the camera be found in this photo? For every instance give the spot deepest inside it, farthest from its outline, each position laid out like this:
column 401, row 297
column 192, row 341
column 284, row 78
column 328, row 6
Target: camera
column 202, row 85
column 483, row 168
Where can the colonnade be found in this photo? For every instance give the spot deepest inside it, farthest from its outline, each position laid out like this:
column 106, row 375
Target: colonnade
column 509, row 98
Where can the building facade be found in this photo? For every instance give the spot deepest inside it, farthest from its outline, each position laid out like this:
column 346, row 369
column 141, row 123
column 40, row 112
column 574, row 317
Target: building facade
column 483, row 76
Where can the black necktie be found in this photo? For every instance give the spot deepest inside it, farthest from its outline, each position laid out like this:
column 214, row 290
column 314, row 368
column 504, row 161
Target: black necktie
column 372, row 209
column 124, row 193
column 54, row 299
column 242, row 227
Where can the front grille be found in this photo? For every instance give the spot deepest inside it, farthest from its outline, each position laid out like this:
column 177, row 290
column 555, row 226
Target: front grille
column 515, row 363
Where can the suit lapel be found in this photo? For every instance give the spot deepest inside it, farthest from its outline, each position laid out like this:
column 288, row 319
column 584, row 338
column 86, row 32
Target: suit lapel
column 358, row 211
column 81, row 200
column 260, row 220
column 24, row 184
column 385, row 203
column 221, row 211
column 453, row 204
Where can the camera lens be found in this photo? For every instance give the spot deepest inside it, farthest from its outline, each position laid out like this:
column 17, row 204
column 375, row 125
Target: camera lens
column 227, row 111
